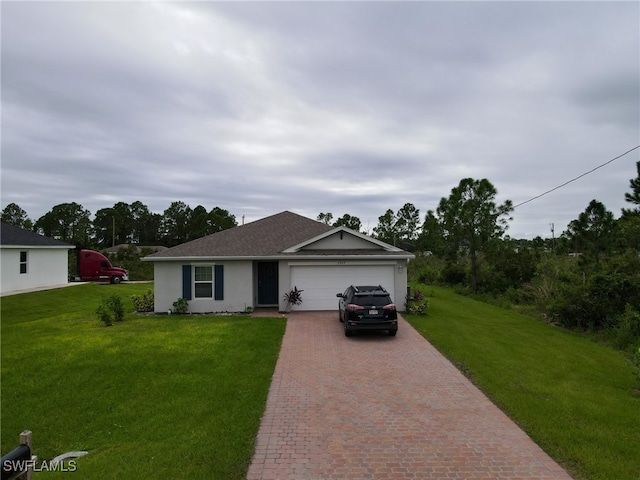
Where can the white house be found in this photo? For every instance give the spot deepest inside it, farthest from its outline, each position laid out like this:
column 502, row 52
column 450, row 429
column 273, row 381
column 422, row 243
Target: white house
column 254, row 265
column 29, row 260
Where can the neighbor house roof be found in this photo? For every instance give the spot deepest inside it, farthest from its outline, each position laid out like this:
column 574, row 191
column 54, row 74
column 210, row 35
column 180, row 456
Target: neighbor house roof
column 138, row 248
column 13, row 236
column 278, row 236
column 262, row 238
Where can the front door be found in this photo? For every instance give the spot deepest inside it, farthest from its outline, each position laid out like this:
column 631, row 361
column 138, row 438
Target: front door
column 267, row 283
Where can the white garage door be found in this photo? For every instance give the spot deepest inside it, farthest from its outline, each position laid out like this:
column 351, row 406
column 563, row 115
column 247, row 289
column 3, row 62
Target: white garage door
column 321, row 283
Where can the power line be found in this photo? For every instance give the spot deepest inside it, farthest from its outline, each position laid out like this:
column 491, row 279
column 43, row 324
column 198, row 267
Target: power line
column 578, row 177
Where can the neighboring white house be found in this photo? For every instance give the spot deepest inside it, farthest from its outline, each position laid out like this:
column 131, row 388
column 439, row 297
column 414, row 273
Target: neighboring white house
column 254, row 265
column 29, row 260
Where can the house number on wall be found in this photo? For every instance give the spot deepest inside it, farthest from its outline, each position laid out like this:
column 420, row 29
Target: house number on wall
column 342, row 262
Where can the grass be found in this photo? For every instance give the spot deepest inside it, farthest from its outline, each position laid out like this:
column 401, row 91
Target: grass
column 577, row 399
column 150, row 397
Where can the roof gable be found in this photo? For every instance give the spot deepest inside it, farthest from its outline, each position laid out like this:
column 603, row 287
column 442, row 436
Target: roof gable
column 342, row 238
column 11, row 235
column 269, row 236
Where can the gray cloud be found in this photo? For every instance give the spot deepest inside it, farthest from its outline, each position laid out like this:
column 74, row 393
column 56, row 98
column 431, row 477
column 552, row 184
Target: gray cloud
column 342, row 107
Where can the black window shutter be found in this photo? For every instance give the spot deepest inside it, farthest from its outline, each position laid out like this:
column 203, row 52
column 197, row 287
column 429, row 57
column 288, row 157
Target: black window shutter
column 219, row 282
column 186, row 282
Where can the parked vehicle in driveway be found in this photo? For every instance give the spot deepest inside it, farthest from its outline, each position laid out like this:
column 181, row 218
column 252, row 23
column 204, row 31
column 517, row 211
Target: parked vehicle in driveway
column 366, row 307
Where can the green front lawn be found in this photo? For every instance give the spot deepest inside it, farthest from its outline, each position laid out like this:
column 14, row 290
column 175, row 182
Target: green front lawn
column 182, row 396
column 150, row 397
column 577, row 399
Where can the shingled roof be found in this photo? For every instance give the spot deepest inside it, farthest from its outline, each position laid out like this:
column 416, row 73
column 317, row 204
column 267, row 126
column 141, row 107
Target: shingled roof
column 11, row 235
column 262, row 238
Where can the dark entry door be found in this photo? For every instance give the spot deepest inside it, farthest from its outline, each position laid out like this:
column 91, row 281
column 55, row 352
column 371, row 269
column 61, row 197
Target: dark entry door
column 267, row 283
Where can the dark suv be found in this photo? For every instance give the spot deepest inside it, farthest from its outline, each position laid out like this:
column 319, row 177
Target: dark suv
column 367, row 308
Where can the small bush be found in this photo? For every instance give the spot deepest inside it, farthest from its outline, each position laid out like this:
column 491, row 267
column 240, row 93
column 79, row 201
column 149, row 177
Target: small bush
column 417, row 304
column 143, row 303
column 627, row 330
column 111, row 309
column 636, row 361
column 114, row 303
column 181, row 306
column 105, row 314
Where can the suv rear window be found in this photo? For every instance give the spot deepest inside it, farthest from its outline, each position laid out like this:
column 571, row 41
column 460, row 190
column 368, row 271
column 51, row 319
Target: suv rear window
column 370, row 299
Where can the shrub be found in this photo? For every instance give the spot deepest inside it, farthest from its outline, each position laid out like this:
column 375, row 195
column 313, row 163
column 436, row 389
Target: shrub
column 417, row 304
column 105, row 314
column 635, row 361
column 429, row 275
column 453, row 274
column 568, row 306
column 627, row 329
column 426, row 270
column 181, row 306
column 114, row 303
column 143, row 303
column 594, row 304
column 111, row 309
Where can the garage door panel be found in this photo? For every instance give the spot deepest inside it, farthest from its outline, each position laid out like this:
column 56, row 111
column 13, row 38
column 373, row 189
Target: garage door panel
column 322, row 283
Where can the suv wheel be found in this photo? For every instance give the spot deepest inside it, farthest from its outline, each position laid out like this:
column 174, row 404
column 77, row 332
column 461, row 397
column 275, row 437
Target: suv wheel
column 347, row 332
column 392, row 333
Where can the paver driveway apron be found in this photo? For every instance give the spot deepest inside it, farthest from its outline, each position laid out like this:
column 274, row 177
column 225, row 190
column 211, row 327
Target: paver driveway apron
column 380, row 407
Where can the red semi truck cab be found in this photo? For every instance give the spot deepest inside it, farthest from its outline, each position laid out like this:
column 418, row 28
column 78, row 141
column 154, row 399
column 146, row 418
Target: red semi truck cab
column 95, row 267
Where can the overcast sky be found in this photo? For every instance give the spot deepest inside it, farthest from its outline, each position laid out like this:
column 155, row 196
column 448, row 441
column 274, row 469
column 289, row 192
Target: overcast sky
column 345, row 107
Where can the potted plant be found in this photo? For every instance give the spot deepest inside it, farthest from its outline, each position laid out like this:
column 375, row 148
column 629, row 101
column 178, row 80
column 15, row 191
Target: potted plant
column 292, row 298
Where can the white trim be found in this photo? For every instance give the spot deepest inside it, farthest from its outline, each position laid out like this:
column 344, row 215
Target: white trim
column 275, row 258
column 195, row 282
column 340, row 263
column 25, row 263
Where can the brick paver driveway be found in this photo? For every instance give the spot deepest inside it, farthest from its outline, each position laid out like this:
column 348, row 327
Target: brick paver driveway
column 379, row 407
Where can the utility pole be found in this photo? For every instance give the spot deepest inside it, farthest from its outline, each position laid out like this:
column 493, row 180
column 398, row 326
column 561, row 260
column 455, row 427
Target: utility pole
column 113, row 237
column 553, row 237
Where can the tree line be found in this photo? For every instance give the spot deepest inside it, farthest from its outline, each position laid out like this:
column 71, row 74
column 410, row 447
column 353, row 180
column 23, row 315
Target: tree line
column 465, row 223
column 123, row 224
column 588, row 278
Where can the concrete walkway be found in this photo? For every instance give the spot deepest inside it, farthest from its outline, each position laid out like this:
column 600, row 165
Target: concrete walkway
column 379, row 407
column 41, row 289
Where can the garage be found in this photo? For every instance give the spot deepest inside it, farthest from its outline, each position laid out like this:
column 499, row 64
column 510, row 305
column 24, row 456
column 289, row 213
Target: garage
column 321, row 283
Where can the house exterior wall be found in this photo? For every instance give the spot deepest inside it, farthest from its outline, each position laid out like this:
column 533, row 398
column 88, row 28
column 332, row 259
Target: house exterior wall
column 239, row 284
column 400, row 293
column 238, row 287
column 46, row 267
column 167, row 285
